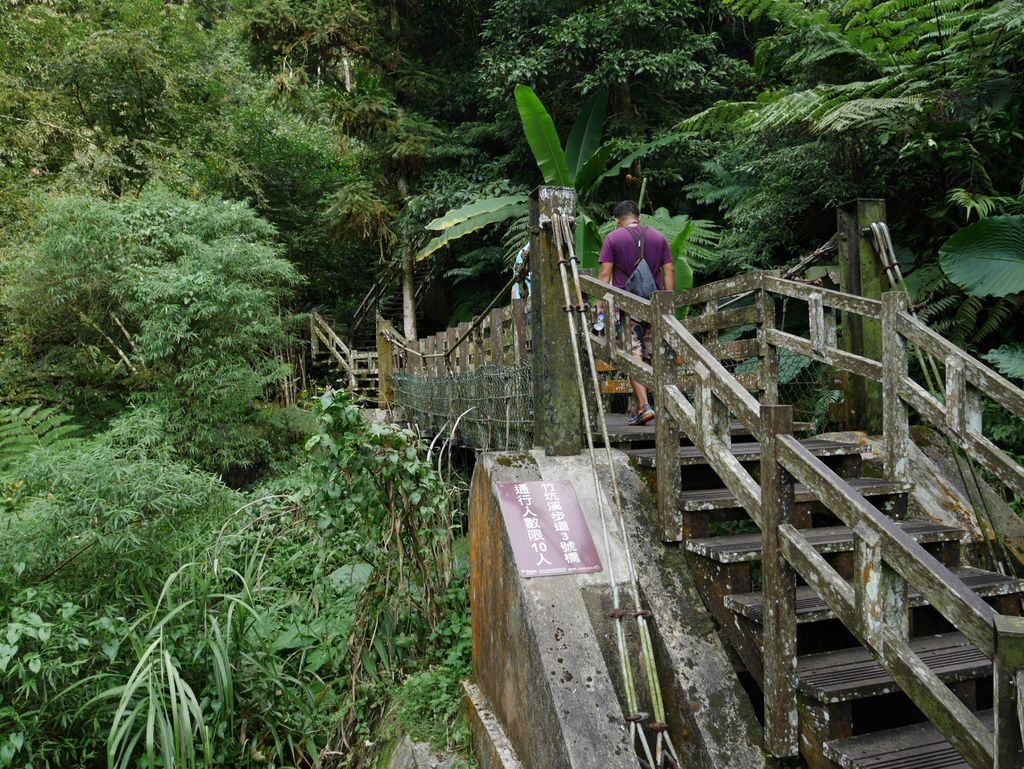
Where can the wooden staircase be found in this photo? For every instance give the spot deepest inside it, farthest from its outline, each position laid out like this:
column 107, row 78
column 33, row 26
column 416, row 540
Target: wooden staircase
column 852, row 713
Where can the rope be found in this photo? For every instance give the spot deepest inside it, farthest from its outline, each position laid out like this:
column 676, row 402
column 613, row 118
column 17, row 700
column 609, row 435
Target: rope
column 562, row 231
column 881, row 239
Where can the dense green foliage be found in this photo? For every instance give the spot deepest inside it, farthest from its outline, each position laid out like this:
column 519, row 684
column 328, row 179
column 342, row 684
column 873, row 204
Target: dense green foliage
column 181, row 182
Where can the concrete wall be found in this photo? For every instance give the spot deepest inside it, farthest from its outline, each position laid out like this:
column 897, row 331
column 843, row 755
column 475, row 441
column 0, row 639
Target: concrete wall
column 545, row 662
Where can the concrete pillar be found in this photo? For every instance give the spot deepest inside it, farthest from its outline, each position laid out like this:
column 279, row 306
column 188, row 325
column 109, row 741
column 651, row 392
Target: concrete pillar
column 557, row 418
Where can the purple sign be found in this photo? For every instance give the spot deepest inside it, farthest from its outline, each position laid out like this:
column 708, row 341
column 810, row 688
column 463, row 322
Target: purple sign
column 547, row 529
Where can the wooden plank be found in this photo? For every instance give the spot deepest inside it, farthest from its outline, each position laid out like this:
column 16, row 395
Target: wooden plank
column 816, row 321
column 742, row 316
column 497, row 338
column 720, row 289
column 840, row 359
column 986, row 453
column 968, row 613
column 1009, row 707
column 779, row 652
column 858, row 305
column 895, row 418
column 881, row 593
column 996, row 387
column 667, row 429
column 742, row 548
column 741, row 349
column 812, row 608
column 739, row 401
column 769, row 368
column 519, row 332
column 920, row 745
column 637, row 308
column 854, row 673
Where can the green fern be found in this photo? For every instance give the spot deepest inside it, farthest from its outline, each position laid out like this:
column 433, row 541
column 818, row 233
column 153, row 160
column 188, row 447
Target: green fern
column 23, row 430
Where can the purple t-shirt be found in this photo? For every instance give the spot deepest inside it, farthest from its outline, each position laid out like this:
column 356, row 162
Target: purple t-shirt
column 620, row 249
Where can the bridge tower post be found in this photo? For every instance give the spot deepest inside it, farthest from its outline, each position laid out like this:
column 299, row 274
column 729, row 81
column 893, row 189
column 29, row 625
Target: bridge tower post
column 861, row 273
column 557, row 415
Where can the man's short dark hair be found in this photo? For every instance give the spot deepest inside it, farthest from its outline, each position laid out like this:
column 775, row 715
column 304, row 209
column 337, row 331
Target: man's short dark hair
column 625, row 208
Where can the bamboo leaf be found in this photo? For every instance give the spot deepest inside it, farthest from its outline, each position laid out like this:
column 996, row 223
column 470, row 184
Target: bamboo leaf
column 542, row 138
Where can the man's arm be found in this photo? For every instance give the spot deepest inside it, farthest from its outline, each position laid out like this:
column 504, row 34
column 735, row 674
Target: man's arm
column 605, row 276
column 668, row 274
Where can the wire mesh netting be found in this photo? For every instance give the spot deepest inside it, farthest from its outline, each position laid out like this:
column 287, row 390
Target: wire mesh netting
column 489, row 409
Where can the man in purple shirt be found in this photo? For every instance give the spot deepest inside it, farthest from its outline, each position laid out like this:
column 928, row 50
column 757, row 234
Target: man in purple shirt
column 620, row 255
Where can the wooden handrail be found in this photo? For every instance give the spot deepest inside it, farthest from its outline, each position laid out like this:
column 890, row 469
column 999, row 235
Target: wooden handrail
column 940, row 587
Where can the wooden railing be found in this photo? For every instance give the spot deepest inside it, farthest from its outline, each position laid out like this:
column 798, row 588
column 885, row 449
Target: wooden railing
column 320, row 332
column 498, row 338
column 698, row 395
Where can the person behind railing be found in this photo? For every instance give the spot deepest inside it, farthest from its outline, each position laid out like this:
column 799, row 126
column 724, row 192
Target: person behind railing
column 521, row 269
column 637, row 259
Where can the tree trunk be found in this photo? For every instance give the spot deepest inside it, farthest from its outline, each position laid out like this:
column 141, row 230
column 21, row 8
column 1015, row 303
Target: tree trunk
column 408, row 265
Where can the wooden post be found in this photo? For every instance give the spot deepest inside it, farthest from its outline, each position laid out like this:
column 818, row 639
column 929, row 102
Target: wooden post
column 558, row 421
column 861, row 273
column 880, row 593
column 497, row 338
column 519, row 329
column 769, row 352
column 666, row 431
column 464, row 349
column 781, row 720
column 385, row 364
column 1008, row 662
column 895, row 426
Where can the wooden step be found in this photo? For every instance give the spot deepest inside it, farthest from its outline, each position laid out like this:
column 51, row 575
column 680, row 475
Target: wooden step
column 698, row 500
column 748, row 452
column 828, row 539
column 620, row 431
column 918, row 746
column 854, row 674
column 811, row 608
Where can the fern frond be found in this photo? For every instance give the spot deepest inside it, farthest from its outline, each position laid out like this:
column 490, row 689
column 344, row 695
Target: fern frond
column 717, row 117
column 517, row 234
column 25, row 429
column 965, row 321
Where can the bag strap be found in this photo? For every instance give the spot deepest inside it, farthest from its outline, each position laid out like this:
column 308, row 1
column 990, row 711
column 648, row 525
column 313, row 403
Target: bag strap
column 640, row 247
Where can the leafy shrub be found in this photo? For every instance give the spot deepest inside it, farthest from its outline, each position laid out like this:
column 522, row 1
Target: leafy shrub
column 177, row 301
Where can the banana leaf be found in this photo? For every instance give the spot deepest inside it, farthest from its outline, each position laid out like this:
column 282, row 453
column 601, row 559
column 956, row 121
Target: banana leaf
column 987, row 257
column 465, row 227
column 586, row 133
column 542, row 138
column 458, row 215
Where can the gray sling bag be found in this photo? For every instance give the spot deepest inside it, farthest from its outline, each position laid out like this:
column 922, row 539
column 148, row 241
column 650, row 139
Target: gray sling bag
column 641, row 281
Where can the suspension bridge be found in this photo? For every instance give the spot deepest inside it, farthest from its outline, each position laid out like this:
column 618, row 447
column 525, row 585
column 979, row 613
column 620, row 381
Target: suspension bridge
column 844, row 600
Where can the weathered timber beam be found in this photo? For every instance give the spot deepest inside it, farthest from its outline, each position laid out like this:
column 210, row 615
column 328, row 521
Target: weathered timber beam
column 741, row 403
column 956, row 722
column 637, row 308
column 987, row 454
column 996, row 387
column 715, row 321
column 858, row 305
column 840, row 359
column 720, row 289
column 939, row 586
